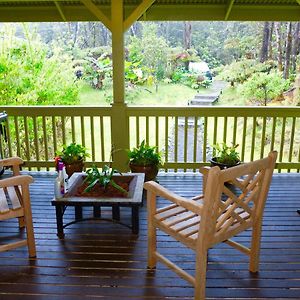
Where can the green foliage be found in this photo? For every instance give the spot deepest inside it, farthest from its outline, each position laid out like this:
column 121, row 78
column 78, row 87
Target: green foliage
column 150, row 51
column 239, row 72
column 104, row 179
column 226, row 154
column 145, row 155
column 262, row 88
column 30, row 76
column 97, row 70
column 73, row 153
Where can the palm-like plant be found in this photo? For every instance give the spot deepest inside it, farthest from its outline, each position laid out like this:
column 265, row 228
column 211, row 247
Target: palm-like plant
column 104, row 179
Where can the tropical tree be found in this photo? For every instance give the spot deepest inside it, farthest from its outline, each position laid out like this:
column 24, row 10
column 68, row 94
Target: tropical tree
column 261, row 88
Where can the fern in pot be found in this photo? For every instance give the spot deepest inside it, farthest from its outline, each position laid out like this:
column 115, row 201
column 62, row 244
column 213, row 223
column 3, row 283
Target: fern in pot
column 145, row 159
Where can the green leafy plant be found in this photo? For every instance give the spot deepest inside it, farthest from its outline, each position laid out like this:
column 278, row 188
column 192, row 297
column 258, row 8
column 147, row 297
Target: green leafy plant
column 104, row 179
column 72, row 153
column 145, row 155
column 225, row 154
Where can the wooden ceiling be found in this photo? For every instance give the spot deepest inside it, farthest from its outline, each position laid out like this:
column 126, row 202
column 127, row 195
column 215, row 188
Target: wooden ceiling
column 157, row 10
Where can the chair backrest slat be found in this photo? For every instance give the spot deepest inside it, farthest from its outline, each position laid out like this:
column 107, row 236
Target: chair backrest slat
column 13, row 197
column 3, row 202
column 240, row 198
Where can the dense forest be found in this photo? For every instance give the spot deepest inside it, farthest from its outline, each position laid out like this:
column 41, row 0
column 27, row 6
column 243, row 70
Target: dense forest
column 52, row 60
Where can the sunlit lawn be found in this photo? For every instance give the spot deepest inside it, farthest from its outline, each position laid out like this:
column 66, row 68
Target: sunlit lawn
column 166, row 95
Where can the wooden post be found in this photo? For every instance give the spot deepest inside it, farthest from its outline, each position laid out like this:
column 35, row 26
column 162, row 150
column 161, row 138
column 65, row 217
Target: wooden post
column 119, row 121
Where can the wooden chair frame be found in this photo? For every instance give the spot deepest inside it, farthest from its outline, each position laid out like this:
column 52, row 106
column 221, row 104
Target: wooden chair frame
column 16, row 189
column 207, row 220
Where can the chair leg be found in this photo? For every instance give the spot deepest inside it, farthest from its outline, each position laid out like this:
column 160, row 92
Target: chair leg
column 151, row 199
column 200, row 275
column 28, row 223
column 21, row 222
column 255, row 248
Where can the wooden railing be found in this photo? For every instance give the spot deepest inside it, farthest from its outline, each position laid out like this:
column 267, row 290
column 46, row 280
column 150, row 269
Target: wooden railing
column 184, row 134
column 36, row 133
column 187, row 134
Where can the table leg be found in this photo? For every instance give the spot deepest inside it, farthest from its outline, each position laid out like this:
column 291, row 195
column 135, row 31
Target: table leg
column 78, row 213
column 97, row 211
column 116, row 212
column 135, row 219
column 59, row 221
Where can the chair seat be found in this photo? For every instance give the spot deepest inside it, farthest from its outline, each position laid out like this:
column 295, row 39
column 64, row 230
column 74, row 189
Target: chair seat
column 180, row 223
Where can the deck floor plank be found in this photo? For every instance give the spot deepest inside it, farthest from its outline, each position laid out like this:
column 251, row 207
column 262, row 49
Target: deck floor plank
column 104, row 260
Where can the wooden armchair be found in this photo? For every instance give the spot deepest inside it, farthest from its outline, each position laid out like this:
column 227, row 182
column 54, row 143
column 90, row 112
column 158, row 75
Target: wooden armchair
column 15, row 203
column 233, row 201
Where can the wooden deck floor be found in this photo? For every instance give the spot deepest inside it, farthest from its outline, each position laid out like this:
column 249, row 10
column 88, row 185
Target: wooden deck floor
column 99, row 259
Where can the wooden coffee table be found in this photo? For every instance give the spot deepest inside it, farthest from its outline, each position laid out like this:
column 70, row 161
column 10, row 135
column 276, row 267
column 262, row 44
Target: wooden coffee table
column 134, row 200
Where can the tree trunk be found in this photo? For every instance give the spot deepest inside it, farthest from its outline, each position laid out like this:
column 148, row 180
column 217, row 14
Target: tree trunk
column 187, row 39
column 279, row 46
column 265, row 42
column 296, row 45
column 187, row 35
column 270, row 56
column 75, row 33
column 288, row 51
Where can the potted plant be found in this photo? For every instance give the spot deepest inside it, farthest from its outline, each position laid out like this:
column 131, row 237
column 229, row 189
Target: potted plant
column 145, row 159
column 225, row 156
column 97, row 184
column 73, row 156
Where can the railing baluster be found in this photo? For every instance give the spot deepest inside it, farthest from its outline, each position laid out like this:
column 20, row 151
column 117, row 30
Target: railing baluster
column 292, row 141
column 36, row 142
column 92, row 137
column 82, row 130
column 234, row 130
column 282, row 140
column 204, row 139
column 176, row 142
column 73, row 129
column 244, row 138
column 27, row 151
column 10, row 153
column 195, row 140
column 137, row 128
column 102, row 139
column 185, row 143
column 166, row 141
column 63, row 126
column 253, row 138
column 147, row 130
column 215, row 130
column 263, row 137
column 17, row 135
column 225, row 129
column 54, row 134
column 157, row 132
column 45, row 136
column 273, row 133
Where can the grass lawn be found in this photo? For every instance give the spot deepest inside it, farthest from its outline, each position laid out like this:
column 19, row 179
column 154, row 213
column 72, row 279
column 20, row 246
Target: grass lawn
column 166, row 95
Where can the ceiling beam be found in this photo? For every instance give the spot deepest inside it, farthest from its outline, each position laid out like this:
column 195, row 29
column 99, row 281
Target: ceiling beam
column 94, row 9
column 60, row 11
column 137, row 13
column 229, row 8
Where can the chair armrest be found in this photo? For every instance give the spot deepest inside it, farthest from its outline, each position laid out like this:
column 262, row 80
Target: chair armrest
column 204, row 171
column 16, row 180
column 11, row 161
column 161, row 191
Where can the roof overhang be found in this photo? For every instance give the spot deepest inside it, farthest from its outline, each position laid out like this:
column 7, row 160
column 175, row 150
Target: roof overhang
column 159, row 10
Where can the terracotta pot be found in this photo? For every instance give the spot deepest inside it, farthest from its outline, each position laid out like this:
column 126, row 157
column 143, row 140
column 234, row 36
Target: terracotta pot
column 150, row 171
column 76, row 167
column 213, row 162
